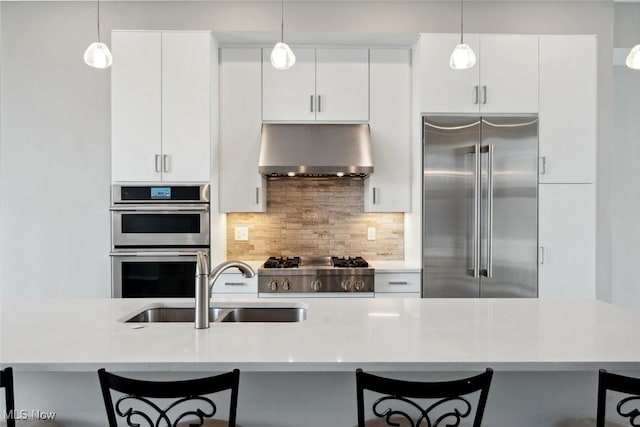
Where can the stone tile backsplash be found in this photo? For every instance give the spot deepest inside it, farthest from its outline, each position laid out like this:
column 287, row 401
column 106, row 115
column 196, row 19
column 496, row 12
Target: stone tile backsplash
column 315, row 217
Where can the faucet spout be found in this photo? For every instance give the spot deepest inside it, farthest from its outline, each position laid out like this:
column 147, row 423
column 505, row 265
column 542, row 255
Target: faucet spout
column 205, row 281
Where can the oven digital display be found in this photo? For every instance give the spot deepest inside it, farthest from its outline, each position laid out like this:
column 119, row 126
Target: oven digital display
column 160, row 193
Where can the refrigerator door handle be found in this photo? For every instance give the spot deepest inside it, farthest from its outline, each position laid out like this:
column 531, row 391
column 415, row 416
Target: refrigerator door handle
column 476, row 211
column 489, row 272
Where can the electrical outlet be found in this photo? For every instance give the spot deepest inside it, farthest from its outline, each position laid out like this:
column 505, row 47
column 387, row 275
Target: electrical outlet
column 371, row 233
column 242, row 233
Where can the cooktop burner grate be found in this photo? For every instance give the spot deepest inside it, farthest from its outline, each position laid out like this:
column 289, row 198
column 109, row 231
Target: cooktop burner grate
column 282, row 262
column 349, row 262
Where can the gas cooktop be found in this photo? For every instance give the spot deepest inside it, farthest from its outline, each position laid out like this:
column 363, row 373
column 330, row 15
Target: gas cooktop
column 315, row 274
column 315, row 262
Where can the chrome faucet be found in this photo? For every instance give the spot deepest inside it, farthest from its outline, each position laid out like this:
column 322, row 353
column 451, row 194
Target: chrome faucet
column 205, row 281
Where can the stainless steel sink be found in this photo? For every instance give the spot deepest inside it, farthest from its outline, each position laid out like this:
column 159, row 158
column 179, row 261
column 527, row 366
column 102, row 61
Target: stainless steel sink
column 221, row 314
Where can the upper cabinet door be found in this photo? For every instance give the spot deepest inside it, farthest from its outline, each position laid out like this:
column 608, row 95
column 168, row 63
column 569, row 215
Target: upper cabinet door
column 509, row 74
column 388, row 189
column 568, row 109
column 442, row 89
column 241, row 188
column 342, row 84
column 135, row 106
column 289, row 95
column 186, row 106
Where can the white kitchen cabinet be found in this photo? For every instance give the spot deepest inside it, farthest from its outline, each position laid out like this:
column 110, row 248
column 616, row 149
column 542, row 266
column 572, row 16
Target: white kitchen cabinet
column 136, row 130
column 289, row 94
column 232, row 285
column 567, row 232
column 242, row 188
column 568, row 109
column 388, row 189
column 161, row 86
column 186, row 106
column 508, row 74
column 342, row 84
column 504, row 79
column 392, row 284
column 324, row 85
column 443, row 89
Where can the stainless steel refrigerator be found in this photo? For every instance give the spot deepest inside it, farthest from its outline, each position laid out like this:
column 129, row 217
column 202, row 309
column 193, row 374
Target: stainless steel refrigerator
column 480, row 207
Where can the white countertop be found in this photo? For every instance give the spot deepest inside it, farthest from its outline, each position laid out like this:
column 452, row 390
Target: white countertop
column 338, row 335
column 396, row 266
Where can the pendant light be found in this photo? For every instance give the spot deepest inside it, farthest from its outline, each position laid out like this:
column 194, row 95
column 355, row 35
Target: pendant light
column 97, row 54
column 633, row 59
column 463, row 56
column 282, row 57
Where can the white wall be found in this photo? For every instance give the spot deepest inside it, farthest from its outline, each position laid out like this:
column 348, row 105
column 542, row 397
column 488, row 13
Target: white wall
column 55, row 112
column 54, row 159
column 626, row 174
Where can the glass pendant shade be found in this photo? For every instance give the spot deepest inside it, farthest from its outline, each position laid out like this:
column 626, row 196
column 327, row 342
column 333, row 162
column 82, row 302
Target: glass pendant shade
column 282, row 57
column 633, row 59
column 98, row 55
column 462, row 57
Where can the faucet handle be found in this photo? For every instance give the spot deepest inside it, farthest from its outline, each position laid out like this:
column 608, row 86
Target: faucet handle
column 202, row 264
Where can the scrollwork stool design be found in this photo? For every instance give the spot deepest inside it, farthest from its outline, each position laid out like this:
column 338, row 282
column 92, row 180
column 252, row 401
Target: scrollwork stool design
column 447, row 403
column 190, row 404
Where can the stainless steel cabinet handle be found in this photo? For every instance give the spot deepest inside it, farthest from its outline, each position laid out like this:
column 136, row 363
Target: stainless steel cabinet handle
column 476, row 212
column 543, row 165
column 235, row 284
column 151, row 254
column 375, row 195
column 398, row 283
column 543, row 255
column 311, row 107
column 475, row 94
column 257, row 195
column 164, row 208
column 165, row 163
column 319, row 103
column 490, row 211
column 156, row 162
column 484, row 94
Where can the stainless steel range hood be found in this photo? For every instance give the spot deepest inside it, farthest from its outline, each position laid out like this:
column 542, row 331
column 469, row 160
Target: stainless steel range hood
column 315, row 150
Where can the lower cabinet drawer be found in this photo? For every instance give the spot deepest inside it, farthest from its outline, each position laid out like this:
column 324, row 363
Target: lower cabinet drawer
column 235, row 283
column 397, row 282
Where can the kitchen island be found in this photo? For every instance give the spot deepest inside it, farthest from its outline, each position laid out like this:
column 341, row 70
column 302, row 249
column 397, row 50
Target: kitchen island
column 546, row 353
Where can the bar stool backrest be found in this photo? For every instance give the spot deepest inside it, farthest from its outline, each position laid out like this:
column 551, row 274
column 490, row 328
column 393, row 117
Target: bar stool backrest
column 628, row 407
column 447, row 403
column 6, row 383
column 139, row 403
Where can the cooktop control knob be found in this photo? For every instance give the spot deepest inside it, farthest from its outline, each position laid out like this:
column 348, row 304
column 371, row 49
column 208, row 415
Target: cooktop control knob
column 316, row 285
column 286, row 285
column 273, row 285
column 359, row 285
column 346, row 285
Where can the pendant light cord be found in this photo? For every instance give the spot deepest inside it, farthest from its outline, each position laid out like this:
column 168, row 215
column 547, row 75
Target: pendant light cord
column 98, row 20
column 461, row 21
column 282, row 22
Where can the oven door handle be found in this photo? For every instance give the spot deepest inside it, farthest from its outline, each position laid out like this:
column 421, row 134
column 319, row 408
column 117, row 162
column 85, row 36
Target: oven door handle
column 159, row 208
column 153, row 254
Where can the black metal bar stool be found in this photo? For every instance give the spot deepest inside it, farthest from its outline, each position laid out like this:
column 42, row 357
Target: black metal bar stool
column 396, row 404
column 627, row 408
column 6, row 383
column 140, row 402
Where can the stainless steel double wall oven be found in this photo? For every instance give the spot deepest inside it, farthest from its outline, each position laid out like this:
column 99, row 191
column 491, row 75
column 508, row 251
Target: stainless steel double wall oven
column 156, row 231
